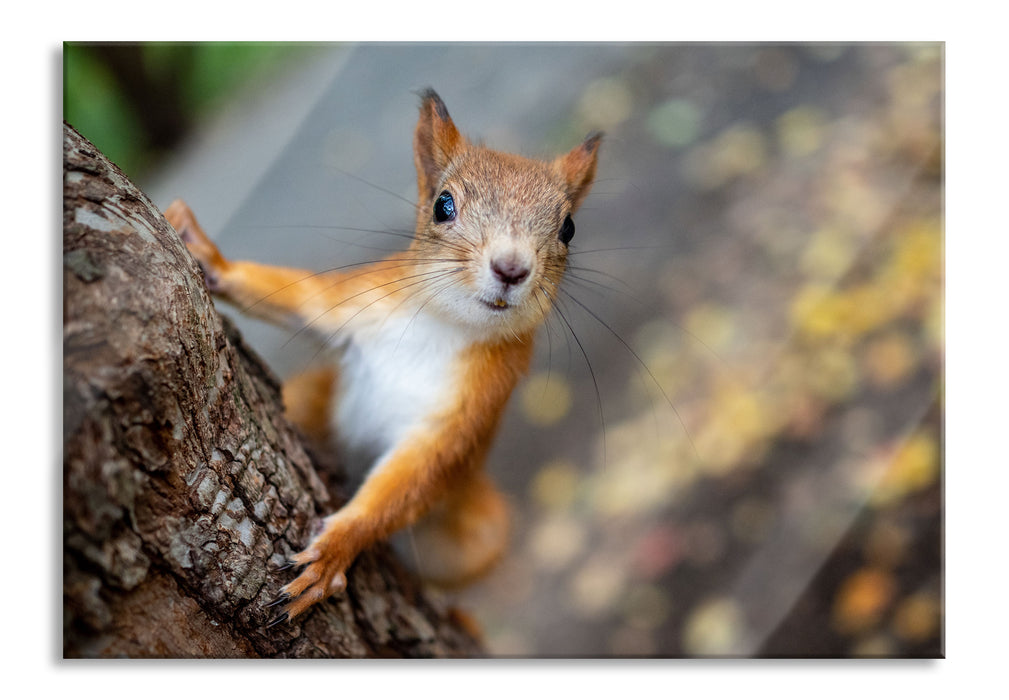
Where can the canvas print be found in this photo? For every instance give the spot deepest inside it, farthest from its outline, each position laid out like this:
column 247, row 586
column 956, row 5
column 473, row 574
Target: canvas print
column 574, row 350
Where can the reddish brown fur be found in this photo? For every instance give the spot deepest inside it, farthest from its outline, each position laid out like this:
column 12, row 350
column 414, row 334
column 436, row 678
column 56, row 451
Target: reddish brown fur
column 307, row 399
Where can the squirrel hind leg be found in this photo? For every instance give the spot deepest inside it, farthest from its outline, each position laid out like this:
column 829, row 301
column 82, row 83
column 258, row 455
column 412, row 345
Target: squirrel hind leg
column 307, row 402
column 462, row 538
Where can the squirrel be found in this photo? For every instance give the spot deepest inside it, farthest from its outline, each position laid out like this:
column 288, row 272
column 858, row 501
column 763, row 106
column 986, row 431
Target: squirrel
column 430, row 342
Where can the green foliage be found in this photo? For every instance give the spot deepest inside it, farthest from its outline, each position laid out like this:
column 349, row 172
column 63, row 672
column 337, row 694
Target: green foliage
column 94, row 105
column 193, row 79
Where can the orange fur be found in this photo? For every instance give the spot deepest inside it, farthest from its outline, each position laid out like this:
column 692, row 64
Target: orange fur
column 463, row 536
column 509, row 209
column 307, row 399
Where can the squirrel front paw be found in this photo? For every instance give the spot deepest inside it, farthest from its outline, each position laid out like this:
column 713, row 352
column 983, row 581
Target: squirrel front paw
column 325, row 560
column 213, row 264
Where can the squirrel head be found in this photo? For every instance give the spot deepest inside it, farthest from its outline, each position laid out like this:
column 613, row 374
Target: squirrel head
column 499, row 223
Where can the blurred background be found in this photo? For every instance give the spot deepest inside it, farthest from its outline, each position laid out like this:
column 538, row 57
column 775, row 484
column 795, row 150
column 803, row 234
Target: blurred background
column 742, row 452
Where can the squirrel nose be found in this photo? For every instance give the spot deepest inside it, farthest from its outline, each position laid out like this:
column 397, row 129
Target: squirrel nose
column 509, row 270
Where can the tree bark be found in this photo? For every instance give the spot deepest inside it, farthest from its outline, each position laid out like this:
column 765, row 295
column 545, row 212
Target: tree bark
column 184, row 486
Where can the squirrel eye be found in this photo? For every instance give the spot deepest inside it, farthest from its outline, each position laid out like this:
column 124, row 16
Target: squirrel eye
column 444, row 208
column 567, row 230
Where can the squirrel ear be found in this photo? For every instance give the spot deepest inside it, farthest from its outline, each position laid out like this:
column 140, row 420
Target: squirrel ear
column 578, row 168
column 436, row 142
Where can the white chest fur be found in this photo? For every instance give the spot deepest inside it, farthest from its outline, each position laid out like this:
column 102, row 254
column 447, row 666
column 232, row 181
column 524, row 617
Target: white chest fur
column 394, row 374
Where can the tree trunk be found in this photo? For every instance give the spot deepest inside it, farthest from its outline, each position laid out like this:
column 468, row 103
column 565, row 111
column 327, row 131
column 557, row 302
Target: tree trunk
column 184, row 487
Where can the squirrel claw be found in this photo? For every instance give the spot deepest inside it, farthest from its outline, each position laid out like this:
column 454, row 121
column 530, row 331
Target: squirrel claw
column 323, row 575
column 282, row 598
column 281, row 618
column 213, row 284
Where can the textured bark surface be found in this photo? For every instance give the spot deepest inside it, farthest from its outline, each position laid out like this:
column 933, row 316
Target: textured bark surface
column 184, row 487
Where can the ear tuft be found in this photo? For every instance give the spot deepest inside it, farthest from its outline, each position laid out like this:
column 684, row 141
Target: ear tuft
column 429, row 96
column 436, row 142
column 578, row 168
